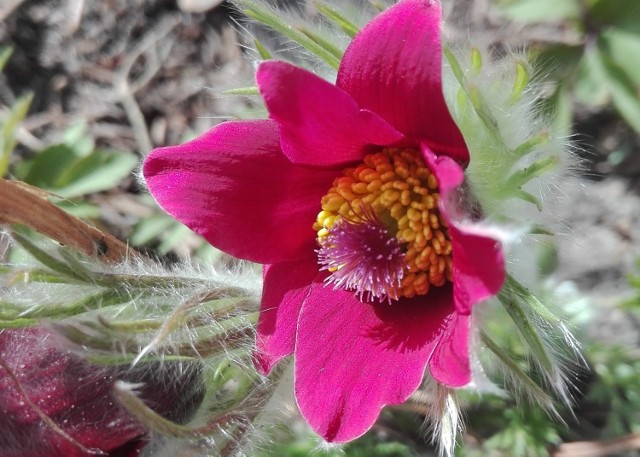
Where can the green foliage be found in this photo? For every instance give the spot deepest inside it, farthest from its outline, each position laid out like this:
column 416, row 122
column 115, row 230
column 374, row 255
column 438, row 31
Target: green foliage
column 167, row 235
column 617, row 389
column 337, row 17
column 539, row 10
column 633, row 303
column 75, row 168
column 313, row 43
column 600, row 69
column 501, row 169
column 10, row 119
column 370, row 445
column 511, row 431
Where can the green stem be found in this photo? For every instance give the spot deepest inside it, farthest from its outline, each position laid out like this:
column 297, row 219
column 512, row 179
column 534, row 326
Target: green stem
column 521, row 177
column 526, row 328
column 330, row 47
column 516, row 371
column 336, row 17
column 264, row 16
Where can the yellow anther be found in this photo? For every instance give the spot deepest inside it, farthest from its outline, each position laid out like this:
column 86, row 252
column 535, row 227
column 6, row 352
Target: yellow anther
column 413, row 214
column 399, row 185
column 333, row 204
column 399, row 188
column 388, row 176
column 405, row 197
column 436, row 245
column 434, row 221
column 426, row 231
column 374, row 185
column 390, row 196
column 328, row 222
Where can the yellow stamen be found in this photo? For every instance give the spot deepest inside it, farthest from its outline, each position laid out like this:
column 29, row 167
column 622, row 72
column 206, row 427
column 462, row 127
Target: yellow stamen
column 401, row 190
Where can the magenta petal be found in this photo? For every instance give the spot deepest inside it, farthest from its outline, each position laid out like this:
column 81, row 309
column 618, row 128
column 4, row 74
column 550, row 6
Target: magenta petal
column 319, row 123
column 352, row 358
column 394, row 68
column 449, row 173
column 449, row 364
column 478, row 259
column 478, row 268
column 285, row 287
column 234, row 187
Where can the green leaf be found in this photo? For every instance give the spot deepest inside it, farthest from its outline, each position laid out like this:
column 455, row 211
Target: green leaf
column 48, row 165
column 536, row 169
column 76, row 138
column 558, row 61
column 124, row 393
column 531, row 144
column 625, row 92
column 476, row 61
column 336, row 17
column 619, row 45
column 80, row 210
column 262, row 50
column 515, row 371
column 527, row 197
column 173, row 237
column 150, row 228
column 8, row 141
column 477, row 100
column 591, row 86
column 243, row 91
column 330, row 47
column 518, row 314
column 44, row 257
column 17, row 323
column 623, row 14
column 535, row 11
column 559, row 107
column 263, row 15
column 520, row 82
column 99, row 171
column 5, row 55
column 531, row 300
column 60, row 169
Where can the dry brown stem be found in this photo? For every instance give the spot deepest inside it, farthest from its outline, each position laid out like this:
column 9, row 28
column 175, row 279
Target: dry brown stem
column 598, row 448
column 23, row 204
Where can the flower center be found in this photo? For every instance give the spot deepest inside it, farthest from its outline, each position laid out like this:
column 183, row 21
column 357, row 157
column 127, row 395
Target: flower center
column 380, row 231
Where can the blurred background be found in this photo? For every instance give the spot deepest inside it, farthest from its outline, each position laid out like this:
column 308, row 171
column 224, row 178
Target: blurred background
column 88, row 87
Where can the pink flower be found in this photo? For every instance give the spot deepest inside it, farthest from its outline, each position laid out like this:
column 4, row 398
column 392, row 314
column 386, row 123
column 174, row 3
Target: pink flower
column 38, row 378
column 347, row 195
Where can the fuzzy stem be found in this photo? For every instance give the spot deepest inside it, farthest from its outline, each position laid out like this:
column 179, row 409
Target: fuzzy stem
column 527, row 330
column 124, row 394
column 255, row 11
column 262, row 50
column 251, row 90
column 516, row 371
column 335, row 51
column 536, row 169
column 520, row 83
column 336, row 17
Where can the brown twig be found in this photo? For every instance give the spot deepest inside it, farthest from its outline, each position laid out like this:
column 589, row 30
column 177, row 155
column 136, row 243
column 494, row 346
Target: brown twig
column 23, row 204
column 126, row 89
column 598, row 448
